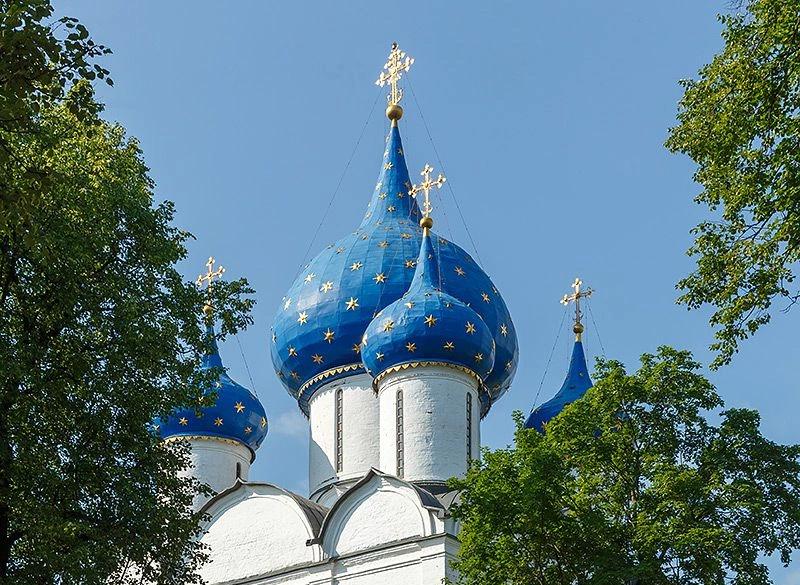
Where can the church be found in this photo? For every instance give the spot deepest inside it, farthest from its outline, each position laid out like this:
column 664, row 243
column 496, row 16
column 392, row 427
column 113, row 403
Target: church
column 395, row 344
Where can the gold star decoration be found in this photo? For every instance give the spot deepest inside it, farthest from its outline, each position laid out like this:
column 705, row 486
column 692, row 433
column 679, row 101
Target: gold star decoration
column 400, row 151
column 400, row 194
column 430, row 320
column 292, row 351
column 380, row 278
column 378, row 185
column 405, row 236
column 410, row 304
column 239, row 407
column 287, row 304
column 470, row 328
column 357, row 347
column 383, row 244
column 509, row 365
column 302, row 317
column 295, row 376
column 329, row 335
column 326, row 287
column 310, row 277
column 352, row 304
column 460, row 271
column 449, row 346
column 503, row 330
column 388, row 166
column 485, row 297
column 478, row 357
column 183, row 421
column 379, row 356
column 411, row 346
column 389, row 325
column 382, row 196
column 356, row 266
column 248, row 430
column 317, row 358
column 411, row 263
column 391, row 208
column 263, row 422
column 218, row 422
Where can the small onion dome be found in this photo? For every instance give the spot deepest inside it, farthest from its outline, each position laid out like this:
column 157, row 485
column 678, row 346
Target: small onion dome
column 318, row 327
column 237, row 415
column 575, row 386
column 428, row 327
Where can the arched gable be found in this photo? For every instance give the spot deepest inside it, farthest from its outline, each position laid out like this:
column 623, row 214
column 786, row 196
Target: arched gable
column 379, row 509
column 257, row 529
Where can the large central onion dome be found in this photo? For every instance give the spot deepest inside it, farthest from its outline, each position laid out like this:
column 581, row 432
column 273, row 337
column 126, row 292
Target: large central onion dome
column 236, row 415
column 317, row 331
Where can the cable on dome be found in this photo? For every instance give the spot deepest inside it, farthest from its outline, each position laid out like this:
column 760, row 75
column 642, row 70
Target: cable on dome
column 441, row 166
column 246, row 367
column 338, row 185
column 596, row 330
column 550, row 359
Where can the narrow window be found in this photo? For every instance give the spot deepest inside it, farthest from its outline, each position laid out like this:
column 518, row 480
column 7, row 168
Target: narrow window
column 399, row 431
column 469, row 428
column 339, row 430
column 238, row 471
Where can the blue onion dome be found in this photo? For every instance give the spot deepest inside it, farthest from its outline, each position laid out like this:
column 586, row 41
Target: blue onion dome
column 575, row 385
column 236, row 415
column 427, row 326
column 317, row 330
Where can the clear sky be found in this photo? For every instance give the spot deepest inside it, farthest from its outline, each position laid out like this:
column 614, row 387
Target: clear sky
column 549, row 118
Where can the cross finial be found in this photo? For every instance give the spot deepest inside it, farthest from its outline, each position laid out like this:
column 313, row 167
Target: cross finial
column 425, row 186
column 576, row 296
column 397, row 63
column 207, row 279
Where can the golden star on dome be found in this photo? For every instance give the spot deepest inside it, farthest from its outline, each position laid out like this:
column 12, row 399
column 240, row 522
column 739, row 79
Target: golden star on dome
column 430, row 320
column 287, row 303
column 450, row 346
column 218, row 422
column 326, row 287
column 263, row 422
column 357, row 347
column 352, row 304
column 378, row 185
column 478, row 357
column 411, row 263
column 460, row 271
column 379, row 278
column 400, row 194
column 310, row 277
column 329, row 335
column 295, row 376
column 411, row 346
column 379, row 356
column 356, row 266
column 302, row 317
column 384, row 244
column 485, row 297
column 391, row 208
column 389, row 325
column 509, row 365
column 317, row 358
column 183, row 421
column 388, row 166
column 470, row 328
column 248, row 430
column 405, row 236
column 400, row 151
column 410, row 304
column 292, row 351
column 382, row 196
column 503, row 330
column 239, row 407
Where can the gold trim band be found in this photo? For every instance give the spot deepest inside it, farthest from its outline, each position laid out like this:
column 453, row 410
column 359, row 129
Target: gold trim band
column 411, row 365
column 328, row 374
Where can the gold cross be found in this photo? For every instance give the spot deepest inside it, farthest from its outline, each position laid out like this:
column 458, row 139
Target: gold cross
column 208, row 278
column 576, row 297
column 393, row 71
column 425, row 186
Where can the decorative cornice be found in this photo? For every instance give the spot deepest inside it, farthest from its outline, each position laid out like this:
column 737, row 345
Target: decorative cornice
column 310, row 384
column 425, row 364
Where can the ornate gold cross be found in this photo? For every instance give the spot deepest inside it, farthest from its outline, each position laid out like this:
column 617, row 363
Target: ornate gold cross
column 576, row 297
column 393, row 70
column 208, row 278
column 425, row 186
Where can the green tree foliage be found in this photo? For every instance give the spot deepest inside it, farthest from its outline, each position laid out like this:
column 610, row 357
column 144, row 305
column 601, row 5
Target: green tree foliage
column 633, row 484
column 99, row 334
column 740, row 122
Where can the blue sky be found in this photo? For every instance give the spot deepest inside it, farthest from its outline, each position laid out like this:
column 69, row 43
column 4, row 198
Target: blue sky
column 549, row 119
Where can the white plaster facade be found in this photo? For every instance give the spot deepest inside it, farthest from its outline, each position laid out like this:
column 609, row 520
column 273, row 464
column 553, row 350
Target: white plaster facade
column 217, row 463
column 364, row 527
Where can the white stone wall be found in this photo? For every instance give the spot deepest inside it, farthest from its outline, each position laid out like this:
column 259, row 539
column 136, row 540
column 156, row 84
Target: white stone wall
column 434, row 422
column 213, row 462
column 360, row 450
